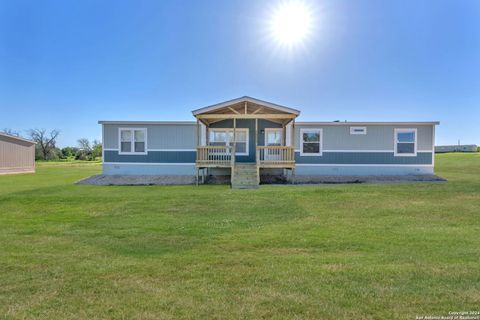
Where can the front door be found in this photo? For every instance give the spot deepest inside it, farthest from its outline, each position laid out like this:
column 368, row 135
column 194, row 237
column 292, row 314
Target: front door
column 273, row 137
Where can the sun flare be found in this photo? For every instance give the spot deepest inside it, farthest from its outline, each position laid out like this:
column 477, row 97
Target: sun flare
column 291, row 23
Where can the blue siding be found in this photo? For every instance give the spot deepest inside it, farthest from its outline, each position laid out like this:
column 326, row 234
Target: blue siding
column 326, row 158
column 250, row 124
column 262, row 125
column 364, row 158
column 336, row 170
column 152, row 157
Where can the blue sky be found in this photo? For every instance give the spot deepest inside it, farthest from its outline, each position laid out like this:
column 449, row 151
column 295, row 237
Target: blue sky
column 68, row 64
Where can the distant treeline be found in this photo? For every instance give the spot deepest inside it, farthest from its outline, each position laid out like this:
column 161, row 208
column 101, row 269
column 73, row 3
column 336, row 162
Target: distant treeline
column 46, row 148
column 457, row 148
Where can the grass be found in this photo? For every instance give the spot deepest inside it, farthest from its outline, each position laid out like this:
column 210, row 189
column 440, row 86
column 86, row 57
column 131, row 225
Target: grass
column 283, row 252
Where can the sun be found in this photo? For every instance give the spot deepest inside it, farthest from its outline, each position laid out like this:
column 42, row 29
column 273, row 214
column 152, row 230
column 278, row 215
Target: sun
column 291, row 23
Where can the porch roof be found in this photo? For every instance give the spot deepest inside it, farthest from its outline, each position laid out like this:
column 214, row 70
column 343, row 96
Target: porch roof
column 245, row 105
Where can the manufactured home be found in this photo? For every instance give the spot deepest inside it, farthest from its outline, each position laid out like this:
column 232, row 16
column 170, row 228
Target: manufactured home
column 247, row 139
column 17, row 155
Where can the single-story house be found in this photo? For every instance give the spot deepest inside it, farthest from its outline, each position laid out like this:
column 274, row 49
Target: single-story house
column 247, row 138
column 457, row 148
column 17, row 155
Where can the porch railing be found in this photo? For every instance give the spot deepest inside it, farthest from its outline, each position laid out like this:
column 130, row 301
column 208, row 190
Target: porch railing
column 215, row 156
column 275, row 156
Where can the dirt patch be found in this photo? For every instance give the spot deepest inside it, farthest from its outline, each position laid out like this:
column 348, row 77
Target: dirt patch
column 123, row 180
column 366, row 179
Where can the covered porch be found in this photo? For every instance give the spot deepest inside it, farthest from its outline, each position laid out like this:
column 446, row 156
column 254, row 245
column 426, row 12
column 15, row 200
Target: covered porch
column 245, row 131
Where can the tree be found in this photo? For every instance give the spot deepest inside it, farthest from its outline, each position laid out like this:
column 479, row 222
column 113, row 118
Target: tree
column 69, row 152
column 84, row 144
column 96, row 149
column 84, row 149
column 45, row 141
column 87, row 150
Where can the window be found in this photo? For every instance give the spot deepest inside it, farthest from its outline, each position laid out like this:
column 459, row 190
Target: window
column 405, row 142
column 133, row 140
column 358, row 130
column 273, row 137
column 224, row 137
column 311, row 142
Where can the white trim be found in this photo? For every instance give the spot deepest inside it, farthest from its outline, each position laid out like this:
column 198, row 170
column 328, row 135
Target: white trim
column 172, row 150
column 103, row 142
column 166, row 150
column 354, row 132
column 398, row 123
column 368, row 151
column 16, row 138
column 231, row 130
column 132, row 141
column 433, row 146
column 147, row 122
column 298, row 150
column 152, row 163
column 395, row 141
column 323, row 123
column 319, row 154
column 359, row 165
column 246, row 99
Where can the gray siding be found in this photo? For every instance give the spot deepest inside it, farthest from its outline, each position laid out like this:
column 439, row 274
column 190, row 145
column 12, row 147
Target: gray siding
column 16, row 156
column 364, row 158
column 378, row 137
column 336, row 138
column 170, row 136
column 302, row 170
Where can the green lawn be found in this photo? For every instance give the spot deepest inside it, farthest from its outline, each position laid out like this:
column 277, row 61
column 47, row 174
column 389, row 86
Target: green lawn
column 323, row 252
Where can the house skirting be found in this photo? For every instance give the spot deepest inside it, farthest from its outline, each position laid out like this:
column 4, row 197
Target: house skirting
column 362, row 170
column 183, row 169
column 301, row 169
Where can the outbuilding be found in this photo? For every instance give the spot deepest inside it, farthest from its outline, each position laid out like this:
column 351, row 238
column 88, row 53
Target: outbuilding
column 17, row 155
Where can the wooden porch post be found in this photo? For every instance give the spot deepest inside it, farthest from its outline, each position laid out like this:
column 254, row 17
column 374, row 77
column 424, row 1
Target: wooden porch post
column 235, row 134
column 293, row 146
column 256, row 134
column 197, row 142
column 197, row 137
column 207, row 138
column 257, row 155
column 292, row 142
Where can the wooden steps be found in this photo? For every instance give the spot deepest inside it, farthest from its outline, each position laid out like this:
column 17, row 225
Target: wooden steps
column 245, row 176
